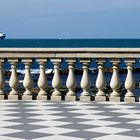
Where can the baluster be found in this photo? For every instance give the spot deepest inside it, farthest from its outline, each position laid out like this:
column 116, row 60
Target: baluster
column 27, row 82
column 56, row 82
column 13, row 82
column 115, row 81
column 129, row 82
column 2, row 81
column 71, row 81
column 42, row 80
column 100, row 81
column 85, row 81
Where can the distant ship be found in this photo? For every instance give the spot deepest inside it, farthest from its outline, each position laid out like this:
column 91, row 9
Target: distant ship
column 2, row 35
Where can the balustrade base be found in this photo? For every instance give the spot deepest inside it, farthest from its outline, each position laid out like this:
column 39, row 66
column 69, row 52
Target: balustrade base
column 3, row 97
column 114, row 99
column 86, row 98
column 42, row 97
column 27, row 97
column 70, row 98
column 100, row 98
column 14, row 97
column 56, row 98
column 130, row 99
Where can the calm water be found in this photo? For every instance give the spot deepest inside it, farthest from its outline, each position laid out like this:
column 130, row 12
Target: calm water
column 74, row 43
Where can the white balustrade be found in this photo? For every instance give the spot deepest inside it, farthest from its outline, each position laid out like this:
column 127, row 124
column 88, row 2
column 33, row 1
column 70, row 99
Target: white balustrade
column 85, row 81
column 115, row 81
column 100, row 81
column 56, row 82
column 129, row 82
column 42, row 87
column 2, row 81
column 42, row 80
column 14, row 81
column 27, row 82
column 71, row 81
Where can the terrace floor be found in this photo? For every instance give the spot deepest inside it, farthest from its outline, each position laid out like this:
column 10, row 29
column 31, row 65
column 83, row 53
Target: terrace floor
column 43, row 120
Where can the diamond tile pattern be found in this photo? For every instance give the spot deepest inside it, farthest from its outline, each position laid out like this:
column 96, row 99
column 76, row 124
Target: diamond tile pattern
column 44, row 120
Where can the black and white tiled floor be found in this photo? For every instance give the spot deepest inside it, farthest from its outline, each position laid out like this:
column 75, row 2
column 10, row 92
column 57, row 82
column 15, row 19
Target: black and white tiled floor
column 43, row 120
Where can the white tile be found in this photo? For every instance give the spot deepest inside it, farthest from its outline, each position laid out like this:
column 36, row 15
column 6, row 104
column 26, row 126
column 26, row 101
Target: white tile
column 107, row 130
column 47, row 117
column 4, row 131
column 120, row 106
column 92, row 117
column 59, row 137
column 7, row 123
column 76, row 103
column 45, row 112
column 131, row 116
column 134, row 122
column 8, row 112
column 41, row 107
column 9, row 138
column 50, row 123
column 86, row 111
column 116, row 137
column 127, row 111
column 81, row 107
column 99, row 123
column 54, row 130
column 4, row 117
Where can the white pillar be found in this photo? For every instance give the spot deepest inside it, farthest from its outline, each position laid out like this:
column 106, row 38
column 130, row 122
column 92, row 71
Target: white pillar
column 100, row 81
column 85, row 81
column 115, row 81
column 56, row 82
column 71, row 81
column 13, row 82
column 129, row 82
column 2, row 80
column 42, row 80
column 27, row 82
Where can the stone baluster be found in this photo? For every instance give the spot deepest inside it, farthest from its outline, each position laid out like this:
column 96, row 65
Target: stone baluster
column 2, row 81
column 100, row 81
column 42, row 80
column 71, row 81
column 85, row 81
column 129, row 82
column 14, row 81
column 115, row 81
column 27, row 82
column 56, row 82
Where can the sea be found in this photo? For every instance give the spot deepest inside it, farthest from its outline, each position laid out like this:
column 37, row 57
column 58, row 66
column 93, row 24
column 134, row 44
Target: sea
column 70, row 43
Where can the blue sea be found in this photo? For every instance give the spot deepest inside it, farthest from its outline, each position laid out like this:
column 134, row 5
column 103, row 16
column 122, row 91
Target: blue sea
column 66, row 43
column 71, row 43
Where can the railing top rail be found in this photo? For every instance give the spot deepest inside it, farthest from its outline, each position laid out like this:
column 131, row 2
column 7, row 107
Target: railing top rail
column 70, row 50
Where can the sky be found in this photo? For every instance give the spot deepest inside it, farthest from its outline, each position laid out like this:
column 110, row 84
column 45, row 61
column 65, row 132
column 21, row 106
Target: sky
column 70, row 18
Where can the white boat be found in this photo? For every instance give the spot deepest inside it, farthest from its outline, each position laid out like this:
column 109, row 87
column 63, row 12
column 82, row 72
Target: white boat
column 2, row 35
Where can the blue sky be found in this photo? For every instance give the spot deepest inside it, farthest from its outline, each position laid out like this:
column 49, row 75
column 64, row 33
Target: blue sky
column 70, row 18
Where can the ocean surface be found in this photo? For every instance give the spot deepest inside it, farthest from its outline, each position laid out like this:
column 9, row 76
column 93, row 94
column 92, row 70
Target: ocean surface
column 69, row 43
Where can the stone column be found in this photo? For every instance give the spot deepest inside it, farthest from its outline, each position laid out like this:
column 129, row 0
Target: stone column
column 14, row 81
column 56, row 82
column 71, row 81
column 85, row 81
column 100, row 81
column 27, row 82
column 2, row 81
column 115, row 81
column 42, row 80
column 129, row 82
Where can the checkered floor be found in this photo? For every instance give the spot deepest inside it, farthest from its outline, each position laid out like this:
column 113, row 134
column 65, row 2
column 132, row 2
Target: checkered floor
column 42, row 120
